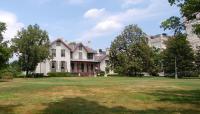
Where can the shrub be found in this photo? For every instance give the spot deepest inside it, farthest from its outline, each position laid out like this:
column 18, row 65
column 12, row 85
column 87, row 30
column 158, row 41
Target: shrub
column 62, row 74
column 101, row 73
column 6, row 75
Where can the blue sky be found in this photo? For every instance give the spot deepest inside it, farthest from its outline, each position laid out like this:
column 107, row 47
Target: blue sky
column 98, row 21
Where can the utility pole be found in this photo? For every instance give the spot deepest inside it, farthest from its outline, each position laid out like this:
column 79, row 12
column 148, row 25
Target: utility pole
column 176, row 76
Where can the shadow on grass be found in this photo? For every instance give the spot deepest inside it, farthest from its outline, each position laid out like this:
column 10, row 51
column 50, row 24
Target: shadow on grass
column 179, row 96
column 82, row 106
column 7, row 109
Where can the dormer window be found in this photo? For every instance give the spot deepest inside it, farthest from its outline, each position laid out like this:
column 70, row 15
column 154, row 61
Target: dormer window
column 80, row 47
column 58, row 43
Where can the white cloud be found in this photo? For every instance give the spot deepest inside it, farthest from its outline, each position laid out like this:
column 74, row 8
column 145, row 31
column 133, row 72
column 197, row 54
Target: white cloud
column 116, row 20
column 95, row 13
column 12, row 24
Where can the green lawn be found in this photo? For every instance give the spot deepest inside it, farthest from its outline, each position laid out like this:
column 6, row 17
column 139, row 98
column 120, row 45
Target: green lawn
column 100, row 96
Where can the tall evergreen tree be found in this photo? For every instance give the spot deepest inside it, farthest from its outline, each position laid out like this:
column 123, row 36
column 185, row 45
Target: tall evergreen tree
column 197, row 60
column 32, row 45
column 178, row 54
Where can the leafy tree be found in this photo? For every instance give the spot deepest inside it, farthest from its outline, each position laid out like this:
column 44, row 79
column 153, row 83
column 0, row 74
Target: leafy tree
column 157, row 58
column 32, row 46
column 188, row 9
column 5, row 52
column 130, row 53
column 197, row 59
column 178, row 51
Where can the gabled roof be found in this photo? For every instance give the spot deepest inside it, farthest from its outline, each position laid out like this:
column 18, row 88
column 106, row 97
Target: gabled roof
column 74, row 46
column 100, row 57
column 60, row 40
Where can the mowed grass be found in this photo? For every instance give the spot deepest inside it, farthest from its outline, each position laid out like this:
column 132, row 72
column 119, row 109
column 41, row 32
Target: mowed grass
column 112, row 95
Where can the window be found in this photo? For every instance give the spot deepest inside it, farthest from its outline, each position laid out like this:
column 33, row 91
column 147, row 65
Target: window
column 80, row 48
column 62, row 64
column 63, row 53
column 58, row 43
column 53, row 51
column 80, row 55
column 90, row 56
column 53, row 66
column 71, row 55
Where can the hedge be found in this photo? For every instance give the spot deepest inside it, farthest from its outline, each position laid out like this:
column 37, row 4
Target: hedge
column 62, row 74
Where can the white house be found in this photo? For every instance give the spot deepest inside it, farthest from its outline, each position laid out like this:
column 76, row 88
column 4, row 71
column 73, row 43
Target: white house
column 74, row 58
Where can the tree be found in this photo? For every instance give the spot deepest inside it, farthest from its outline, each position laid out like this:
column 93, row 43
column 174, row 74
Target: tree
column 188, row 9
column 197, row 59
column 5, row 52
column 130, row 53
column 32, row 46
column 178, row 52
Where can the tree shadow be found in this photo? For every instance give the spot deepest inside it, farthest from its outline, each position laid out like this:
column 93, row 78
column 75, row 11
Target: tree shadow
column 82, row 106
column 178, row 96
column 8, row 109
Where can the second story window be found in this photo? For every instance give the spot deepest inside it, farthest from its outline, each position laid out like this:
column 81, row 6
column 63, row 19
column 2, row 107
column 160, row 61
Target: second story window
column 58, row 43
column 63, row 53
column 80, row 55
column 90, row 56
column 53, row 51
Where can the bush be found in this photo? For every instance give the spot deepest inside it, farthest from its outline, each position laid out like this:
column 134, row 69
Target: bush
column 6, row 75
column 101, row 73
column 62, row 74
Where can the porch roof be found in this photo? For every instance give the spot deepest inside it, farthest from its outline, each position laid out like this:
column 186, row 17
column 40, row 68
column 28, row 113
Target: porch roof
column 93, row 61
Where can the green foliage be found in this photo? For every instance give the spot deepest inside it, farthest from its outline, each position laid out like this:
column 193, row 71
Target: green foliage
column 61, row 74
column 130, row 53
column 5, row 52
column 32, row 45
column 6, row 74
column 173, row 23
column 188, row 10
column 197, row 60
column 178, row 49
column 101, row 73
column 157, row 65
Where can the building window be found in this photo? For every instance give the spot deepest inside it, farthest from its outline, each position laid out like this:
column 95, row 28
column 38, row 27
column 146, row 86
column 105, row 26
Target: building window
column 71, row 55
column 58, row 43
column 107, row 62
column 53, row 52
column 80, row 55
column 90, row 56
column 82, row 67
column 53, row 65
column 62, row 65
column 80, row 47
column 63, row 53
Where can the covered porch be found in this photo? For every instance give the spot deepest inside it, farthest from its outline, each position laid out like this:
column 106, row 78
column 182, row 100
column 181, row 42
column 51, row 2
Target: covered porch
column 85, row 68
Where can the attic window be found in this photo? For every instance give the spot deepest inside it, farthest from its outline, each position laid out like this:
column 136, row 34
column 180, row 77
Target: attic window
column 80, row 48
column 58, row 43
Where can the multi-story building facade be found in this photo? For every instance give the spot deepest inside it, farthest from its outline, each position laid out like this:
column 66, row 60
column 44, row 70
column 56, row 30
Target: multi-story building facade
column 74, row 58
column 158, row 41
column 192, row 38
